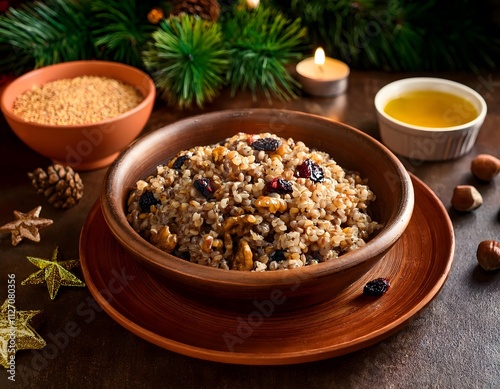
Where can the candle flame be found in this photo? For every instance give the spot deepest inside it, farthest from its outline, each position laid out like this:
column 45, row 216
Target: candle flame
column 252, row 4
column 319, row 56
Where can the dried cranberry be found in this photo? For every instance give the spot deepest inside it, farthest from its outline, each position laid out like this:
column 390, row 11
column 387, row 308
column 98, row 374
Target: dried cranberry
column 279, row 185
column 204, row 187
column 179, row 162
column 310, row 169
column 146, row 200
column 376, row 287
column 266, row 144
column 278, row 255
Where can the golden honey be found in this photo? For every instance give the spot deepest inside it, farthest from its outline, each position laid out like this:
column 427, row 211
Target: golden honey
column 429, row 108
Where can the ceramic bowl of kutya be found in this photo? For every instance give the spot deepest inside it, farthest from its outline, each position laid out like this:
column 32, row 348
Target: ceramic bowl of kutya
column 83, row 146
column 281, row 289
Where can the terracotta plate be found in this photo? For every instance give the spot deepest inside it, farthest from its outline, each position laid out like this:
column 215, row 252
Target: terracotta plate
column 417, row 267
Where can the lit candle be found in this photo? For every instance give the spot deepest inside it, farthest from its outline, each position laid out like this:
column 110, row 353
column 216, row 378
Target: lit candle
column 322, row 76
column 252, row 4
column 319, row 58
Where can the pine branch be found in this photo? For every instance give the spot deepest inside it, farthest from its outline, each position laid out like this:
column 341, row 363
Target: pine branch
column 401, row 34
column 120, row 30
column 187, row 59
column 42, row 34
column 262, row 42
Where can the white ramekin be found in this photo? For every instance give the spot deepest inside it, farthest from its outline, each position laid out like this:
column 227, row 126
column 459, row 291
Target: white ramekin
column 423, row 143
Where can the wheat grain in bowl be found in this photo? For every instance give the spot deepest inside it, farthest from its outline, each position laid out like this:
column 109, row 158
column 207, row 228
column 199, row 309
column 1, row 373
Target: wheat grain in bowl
column 77, row 100
column 255, row 203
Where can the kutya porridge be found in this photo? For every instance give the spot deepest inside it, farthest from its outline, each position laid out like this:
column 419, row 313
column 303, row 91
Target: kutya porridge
column 253, row 202
column 78, row 100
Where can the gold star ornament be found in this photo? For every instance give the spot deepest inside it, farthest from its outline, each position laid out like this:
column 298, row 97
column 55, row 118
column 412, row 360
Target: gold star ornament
column 26, row 226
column 17, row 332
column 54, row 273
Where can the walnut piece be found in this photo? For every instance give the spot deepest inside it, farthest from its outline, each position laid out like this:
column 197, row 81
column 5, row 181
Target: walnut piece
column 243, row 259
column 273, row 204
column 164, row 239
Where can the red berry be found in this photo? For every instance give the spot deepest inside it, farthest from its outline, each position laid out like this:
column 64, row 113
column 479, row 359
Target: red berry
column 204, row 187
column 310, row 169
column 279, row 185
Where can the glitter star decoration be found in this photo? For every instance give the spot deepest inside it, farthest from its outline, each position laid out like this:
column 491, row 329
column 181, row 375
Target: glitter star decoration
column 54, row 273
column 26, row 226
column 17, row 332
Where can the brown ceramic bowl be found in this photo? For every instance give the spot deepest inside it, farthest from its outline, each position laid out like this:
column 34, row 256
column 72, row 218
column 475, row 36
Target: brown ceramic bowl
column 86, row 146
column 282, row 289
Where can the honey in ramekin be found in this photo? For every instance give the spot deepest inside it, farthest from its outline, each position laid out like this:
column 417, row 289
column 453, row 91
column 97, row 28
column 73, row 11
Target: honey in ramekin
column 431, row 108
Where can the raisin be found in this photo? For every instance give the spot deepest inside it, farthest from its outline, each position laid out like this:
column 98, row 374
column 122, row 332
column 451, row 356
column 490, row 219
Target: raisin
column 278, row 255
column 204, row 187
column 279, row 185
column 183, row 255
column 310, row 169
column 179, row 162
column 146, row 200
column 266, row 144
column 316, row 255
column 376, row 287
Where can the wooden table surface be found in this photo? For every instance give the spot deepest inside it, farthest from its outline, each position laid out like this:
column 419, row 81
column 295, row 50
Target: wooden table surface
column 453, row 343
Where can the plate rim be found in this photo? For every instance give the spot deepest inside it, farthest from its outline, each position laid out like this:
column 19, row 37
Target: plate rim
column 290, row 357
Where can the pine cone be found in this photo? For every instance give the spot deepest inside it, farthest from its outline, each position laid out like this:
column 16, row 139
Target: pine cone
column 206, row 9
column 60, row 184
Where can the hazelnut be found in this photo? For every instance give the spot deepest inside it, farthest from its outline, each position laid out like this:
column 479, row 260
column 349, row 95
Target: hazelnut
column 485, row 167
column 466, row 198
column 488, row 254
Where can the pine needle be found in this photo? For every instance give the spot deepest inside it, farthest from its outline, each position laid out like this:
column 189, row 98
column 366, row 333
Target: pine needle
column 44, row 33
column 262, row 42
column 187, row 59
column 400, row 35
column 120, row 30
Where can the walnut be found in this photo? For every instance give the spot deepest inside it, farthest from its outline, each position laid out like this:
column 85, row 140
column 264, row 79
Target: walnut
column 240, row 225
column 243, row 259
column 208, row 242
column 274, row 204
column 228, row 245
column 164, row 239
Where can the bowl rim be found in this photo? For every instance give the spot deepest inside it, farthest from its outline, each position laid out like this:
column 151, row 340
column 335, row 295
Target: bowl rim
column 433, row 82
column 147, row 98
column 138, row 246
